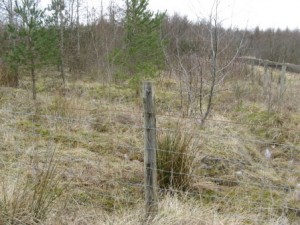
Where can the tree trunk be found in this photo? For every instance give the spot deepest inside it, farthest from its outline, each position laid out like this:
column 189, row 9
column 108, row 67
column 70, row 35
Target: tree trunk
column 33, row 80
column 62, row 72
column 201, row 92
column 214, row 65
column 32, row 68
column 77, row 25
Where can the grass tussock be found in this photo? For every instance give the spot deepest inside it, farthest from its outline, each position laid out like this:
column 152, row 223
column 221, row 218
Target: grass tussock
column 30, row 198
column 175, row 160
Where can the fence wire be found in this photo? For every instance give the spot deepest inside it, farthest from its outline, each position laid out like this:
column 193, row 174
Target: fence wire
column 111, row 176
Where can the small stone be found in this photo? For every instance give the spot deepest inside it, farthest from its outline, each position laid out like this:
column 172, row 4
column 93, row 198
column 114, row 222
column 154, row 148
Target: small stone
column 268, row 154
column 239, row 173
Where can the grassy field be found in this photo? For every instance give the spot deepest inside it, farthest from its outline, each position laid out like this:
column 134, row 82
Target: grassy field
column 75, row 156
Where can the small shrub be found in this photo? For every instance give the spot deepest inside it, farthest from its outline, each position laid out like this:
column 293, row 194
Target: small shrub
column 8, row 76
column 174, row 161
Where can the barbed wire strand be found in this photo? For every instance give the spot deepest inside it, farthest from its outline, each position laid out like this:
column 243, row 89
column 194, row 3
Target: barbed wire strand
column 140, row 113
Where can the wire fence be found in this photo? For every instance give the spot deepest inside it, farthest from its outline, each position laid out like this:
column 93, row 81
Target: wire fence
column 100, row 153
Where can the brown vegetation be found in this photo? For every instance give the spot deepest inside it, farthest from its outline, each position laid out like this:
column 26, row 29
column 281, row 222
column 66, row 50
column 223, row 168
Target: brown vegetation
column 74, row 155
column 97, row 133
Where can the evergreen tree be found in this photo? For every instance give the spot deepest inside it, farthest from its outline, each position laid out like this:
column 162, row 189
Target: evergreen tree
column 58, row 19
column 143, row 53
column 35, row 44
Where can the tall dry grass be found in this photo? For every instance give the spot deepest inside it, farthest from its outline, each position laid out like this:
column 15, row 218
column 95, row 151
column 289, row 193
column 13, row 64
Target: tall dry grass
column 30, row 198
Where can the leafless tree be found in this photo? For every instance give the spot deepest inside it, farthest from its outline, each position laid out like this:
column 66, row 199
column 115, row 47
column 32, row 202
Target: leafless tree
column 205, row 64
column 7, row 10
column 219, row 61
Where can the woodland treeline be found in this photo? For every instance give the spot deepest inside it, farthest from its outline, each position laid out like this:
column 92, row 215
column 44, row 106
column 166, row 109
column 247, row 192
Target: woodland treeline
column 124, row 41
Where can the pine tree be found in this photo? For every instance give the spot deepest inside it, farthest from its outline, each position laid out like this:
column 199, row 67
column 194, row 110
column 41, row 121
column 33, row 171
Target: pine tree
column 143, row 54
column 58, row 17
column 35, row 44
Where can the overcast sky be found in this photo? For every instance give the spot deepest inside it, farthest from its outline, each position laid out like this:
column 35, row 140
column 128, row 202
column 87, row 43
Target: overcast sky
column 241, row 13
column 238, row 13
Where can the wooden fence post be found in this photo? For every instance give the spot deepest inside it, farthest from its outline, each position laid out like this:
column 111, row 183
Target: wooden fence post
column 252, row 72
column 282, row 81
column 265, row 80
column 150, row 151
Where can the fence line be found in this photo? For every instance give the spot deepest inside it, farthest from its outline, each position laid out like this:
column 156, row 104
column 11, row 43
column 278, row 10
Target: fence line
column 206, row 134
column 140, row 113
column 195, row 134
column 214, row 179
column 122, row 198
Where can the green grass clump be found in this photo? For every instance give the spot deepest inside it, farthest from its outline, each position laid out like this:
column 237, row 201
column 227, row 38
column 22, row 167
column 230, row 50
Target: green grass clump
column 174, row 161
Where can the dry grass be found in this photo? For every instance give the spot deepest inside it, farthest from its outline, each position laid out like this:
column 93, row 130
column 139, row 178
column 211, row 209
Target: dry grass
column 97, row 131
column 174, row 211
column 29, row 196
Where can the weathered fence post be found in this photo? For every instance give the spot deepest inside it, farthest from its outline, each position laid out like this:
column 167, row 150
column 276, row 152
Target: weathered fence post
column 150, row 150
column 282, row 81
column 252, row 72
column 265, row 80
